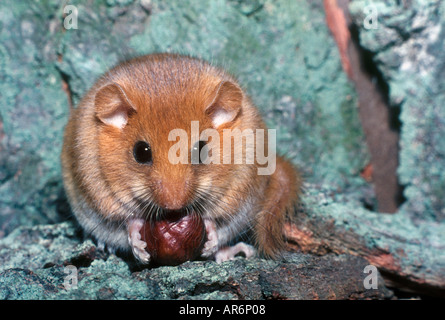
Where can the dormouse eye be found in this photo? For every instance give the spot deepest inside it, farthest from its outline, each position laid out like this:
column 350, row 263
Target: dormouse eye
column 199, row 157
column 142, row 152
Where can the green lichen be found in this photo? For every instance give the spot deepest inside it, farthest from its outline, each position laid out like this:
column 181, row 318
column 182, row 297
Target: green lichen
column 408, row 47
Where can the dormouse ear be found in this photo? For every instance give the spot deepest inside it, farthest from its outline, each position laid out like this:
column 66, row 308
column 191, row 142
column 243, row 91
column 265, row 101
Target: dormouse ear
column 112, row 105
column 226, row 104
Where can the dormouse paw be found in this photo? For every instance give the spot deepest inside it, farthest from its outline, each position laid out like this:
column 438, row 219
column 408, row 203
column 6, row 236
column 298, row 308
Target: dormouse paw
column 134, row 239
column 211, row 245
column 229, row 253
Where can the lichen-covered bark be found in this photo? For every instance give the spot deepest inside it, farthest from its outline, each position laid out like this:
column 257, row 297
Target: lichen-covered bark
column 407, row 45
column 27, row 275
column 410, row 254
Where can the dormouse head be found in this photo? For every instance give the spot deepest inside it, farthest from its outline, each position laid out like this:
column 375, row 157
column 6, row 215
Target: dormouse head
column 160, row 119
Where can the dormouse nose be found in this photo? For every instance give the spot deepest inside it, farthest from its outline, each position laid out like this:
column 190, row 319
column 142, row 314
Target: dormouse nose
column 172, row 195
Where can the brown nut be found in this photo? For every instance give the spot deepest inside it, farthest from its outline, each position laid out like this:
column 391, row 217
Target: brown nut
column 177, row 238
